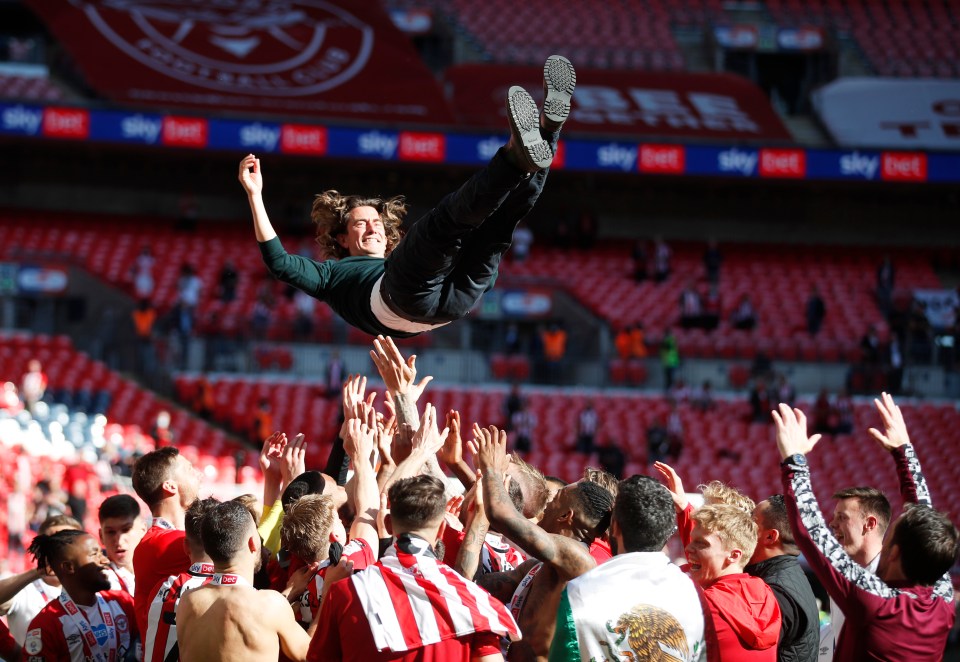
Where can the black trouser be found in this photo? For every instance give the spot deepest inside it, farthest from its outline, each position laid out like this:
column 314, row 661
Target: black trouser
column 451, row 255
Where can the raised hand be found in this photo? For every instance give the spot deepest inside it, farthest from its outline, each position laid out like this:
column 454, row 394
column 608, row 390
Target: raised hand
column 250, row 175
column 354, row 404
column 492, row 449
column 894, row 433
column 673, row 483
column 358, row 442
column 428, row 439
column 271, row 455
column 452, row 451
column 398, row 375
column 300, row 579
column 294, row 459
column 792, row 432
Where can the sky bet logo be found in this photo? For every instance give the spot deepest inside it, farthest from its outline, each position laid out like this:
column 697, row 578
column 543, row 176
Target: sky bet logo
column 20, row 119
column 375, row 143
column 260, row 136
column 737, row 161
column 141, row 129
column 617, row 156
column 859, row 165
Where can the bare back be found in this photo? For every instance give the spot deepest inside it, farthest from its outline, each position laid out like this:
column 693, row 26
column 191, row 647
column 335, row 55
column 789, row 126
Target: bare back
column 236, row 624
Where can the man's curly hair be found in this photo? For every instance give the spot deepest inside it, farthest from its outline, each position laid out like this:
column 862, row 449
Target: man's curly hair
column 330, row 211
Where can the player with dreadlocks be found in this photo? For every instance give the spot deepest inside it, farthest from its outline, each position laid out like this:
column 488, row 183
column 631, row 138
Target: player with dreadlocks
column 88, row 621
column 559, row 545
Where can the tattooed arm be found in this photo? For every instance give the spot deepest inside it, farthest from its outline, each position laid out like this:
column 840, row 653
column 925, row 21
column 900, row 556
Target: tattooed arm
column 468, row 558
column 502, row 585
column 570, row 558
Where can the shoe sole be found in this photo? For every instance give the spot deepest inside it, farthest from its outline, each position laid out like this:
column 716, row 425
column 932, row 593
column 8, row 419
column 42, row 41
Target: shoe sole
column 559, row 81
column 525, row 126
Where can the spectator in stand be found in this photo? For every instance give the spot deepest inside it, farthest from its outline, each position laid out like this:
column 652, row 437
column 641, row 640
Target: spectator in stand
column 702, row 398
column 262, row 313
column 744, row 317
column 679, row 393
column 168, row 483
column 903, row 611
column 523, row 423
column 462, row 622
column 33, row 385
column 22, row 596
column 142, row 274
column 88, row 621
column 919, row 333
column 144, row 320
column 227, row 281
column 639, row 255
column 871, row 349
column 305, row 307
column 511, row 405
column 691, row 307
column 49, row 500
column 188, row 297
column 638, row 342
column 611, row 458
column 822, row 413
column 637, row 605
column 785, row 390
column 661, row 260
column 658, row 441
column 760, row 402
column 674, row 432
column 843, row 413
column 712, row 308
column 335, row 373
column 522, row 241
column 712, row 259
column 886, row 283
column 586, row 428
column 554, row 339
column 816, row 311
column 261, row 426
column 121, row 530
column 669, row 357
column 161, row 431
column 775, row 561
column 204, row 400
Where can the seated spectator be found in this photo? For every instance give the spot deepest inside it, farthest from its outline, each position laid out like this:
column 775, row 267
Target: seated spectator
column 702, row 398
column 712, row 308
column 661, row 260
column 760, row 402
column 785, row 390
column 744, row 316
column 903, row 612
column 816, row 311
column 638, row 605
column 227, row 282
column 691, row 307
column 658, row 441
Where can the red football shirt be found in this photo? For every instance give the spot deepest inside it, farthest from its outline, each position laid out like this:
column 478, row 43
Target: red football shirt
column 53, row 635
column 344, row 634
column 160, row 554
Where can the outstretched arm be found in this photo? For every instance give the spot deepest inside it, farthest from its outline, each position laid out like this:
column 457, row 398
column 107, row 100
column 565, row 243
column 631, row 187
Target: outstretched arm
column 452, row 451
column 895, row 440
column 359, row 445
column 684, row 511
column 567, row 556
column 252, row 180
column 399, row 376
column 468, row 556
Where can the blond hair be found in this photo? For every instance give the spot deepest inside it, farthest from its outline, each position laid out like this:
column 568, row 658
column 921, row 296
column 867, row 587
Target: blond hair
column 604, row 479
column 735, row 528
column 716, row 492
column 533, row 485
column 331, row 209
column 306, row 527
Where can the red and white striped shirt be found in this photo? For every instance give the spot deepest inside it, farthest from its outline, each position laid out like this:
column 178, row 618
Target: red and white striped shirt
column 357, row 551
column 67, row 633
column 410, row 606
column 161, row 635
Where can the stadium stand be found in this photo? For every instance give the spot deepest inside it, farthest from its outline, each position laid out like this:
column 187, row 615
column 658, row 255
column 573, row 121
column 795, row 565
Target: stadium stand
column 624, row 418
column 29, row 88
column 600, row 279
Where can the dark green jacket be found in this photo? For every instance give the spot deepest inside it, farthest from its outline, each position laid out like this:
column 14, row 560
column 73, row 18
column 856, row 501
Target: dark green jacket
column 345, row 285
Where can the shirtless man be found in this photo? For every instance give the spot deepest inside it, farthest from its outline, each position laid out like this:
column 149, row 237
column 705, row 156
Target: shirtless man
column 579, row 514
column 228, row 619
